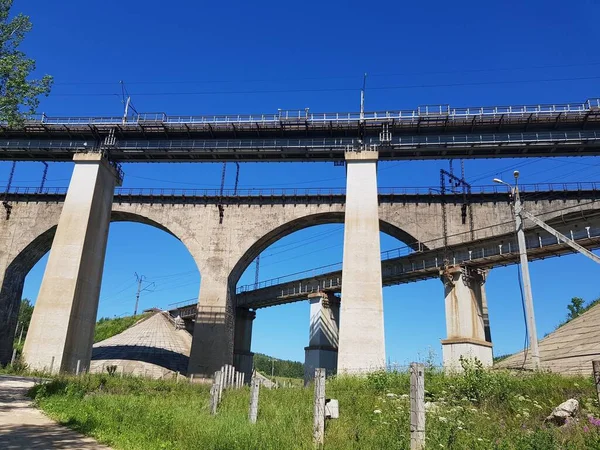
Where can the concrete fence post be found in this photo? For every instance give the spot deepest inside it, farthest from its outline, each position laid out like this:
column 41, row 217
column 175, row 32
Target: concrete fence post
column 319, row 408
column 221, row 381
column 417, row 406
column 254, row 390
column 243, row 379
column 51, row 365
column 192, row 378
column 214, row 393
column 596, row 369
column 14, row 357
column 78, row 367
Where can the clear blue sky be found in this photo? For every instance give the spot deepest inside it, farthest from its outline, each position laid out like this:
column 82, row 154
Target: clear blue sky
column 246, row 57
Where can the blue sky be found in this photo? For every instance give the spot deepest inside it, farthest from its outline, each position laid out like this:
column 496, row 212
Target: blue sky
column 249, row 57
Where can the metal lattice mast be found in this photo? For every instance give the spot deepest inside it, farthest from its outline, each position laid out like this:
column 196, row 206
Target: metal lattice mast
column 256, row 272
column 44, row 177
column 237, row 178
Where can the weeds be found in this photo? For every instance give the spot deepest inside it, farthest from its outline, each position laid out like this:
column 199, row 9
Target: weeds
column 479, row 409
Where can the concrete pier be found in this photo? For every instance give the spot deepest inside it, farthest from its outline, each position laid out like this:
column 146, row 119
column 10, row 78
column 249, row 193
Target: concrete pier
column 243, row 358
column 362, row 342
column 465, row 323
column 63, row 321
column 322, row 350
column 212, row 344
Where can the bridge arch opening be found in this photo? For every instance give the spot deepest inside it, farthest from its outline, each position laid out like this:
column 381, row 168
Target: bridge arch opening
column 289, row 252
column 136, row 243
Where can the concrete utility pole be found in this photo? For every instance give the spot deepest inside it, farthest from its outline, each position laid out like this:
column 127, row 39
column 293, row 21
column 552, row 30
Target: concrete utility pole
column 530, row 316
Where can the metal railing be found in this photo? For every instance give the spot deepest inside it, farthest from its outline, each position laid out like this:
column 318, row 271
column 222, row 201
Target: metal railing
column 305, row 115
column 586, row 186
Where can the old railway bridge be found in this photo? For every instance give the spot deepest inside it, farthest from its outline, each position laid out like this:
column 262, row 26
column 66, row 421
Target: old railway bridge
column 224, row 233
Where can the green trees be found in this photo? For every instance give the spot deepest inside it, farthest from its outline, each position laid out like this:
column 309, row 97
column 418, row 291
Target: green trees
column 281, row 368
column 18, row 94
column 575, row 308
column 25, row 312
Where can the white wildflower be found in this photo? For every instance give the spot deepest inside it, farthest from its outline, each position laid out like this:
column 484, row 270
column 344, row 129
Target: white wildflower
column 377, row 411
column 442, row 419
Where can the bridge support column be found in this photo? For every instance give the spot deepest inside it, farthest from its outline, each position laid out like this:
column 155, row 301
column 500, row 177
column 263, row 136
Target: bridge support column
column 12, row 280
column 243, row 358
column 362, row 341
column 322, row 350
column 212, row 344
column 465, row 324
column 62, row 326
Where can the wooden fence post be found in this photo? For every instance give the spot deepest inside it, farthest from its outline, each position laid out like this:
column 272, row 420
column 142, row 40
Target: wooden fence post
column 319, row 408
column 214, row 393
column 254, row 390
column 417, row 406
column 596, row 369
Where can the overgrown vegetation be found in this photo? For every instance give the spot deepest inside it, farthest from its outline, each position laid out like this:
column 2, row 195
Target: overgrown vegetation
column 107, row 327
column 478, row 410
column 280, row 367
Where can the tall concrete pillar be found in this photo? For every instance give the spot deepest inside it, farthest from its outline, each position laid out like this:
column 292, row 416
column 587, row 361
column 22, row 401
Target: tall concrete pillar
column 64, row 317
column 322, row 350
column 465, row 325
column 243, row 358
column 362, row 341
column 212, row 344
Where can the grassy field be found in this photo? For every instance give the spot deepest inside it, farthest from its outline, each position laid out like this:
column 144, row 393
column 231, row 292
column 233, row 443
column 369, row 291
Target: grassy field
column 480, row 410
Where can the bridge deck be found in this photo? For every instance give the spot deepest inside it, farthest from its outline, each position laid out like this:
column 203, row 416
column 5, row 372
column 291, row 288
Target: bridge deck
column 428, row 132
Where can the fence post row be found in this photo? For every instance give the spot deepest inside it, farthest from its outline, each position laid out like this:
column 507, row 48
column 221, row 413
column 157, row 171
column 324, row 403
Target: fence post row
column 319, row 407
column 417, row 406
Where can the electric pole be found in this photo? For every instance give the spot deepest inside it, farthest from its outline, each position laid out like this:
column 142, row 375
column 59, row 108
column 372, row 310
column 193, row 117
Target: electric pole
column 529, row 314
column 140, row 279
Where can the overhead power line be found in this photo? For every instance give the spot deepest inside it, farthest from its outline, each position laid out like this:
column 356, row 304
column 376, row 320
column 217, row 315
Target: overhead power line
column 329, row 77
column 306, row 90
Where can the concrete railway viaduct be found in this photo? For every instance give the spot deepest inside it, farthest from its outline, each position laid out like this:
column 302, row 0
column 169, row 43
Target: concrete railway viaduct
column 224, row 234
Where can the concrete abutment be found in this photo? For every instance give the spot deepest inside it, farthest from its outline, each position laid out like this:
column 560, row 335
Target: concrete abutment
column 467, row 325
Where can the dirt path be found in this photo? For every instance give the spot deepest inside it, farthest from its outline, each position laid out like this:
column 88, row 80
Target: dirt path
column 22, row 426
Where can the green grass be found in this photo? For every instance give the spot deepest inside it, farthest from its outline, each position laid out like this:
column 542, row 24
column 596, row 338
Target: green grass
column 479, row 410
column 106, row 328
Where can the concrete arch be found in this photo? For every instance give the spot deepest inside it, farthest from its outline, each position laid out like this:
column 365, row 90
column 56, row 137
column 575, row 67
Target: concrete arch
column 26, row 255
column 305, row 222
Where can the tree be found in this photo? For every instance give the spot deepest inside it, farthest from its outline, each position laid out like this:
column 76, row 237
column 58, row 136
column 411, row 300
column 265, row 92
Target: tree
column 575, row 308
column 25, row 313
column 18, row 94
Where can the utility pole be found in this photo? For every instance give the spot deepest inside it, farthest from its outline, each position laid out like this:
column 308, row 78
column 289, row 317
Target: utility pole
column 530, row 316
column 140, row 279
